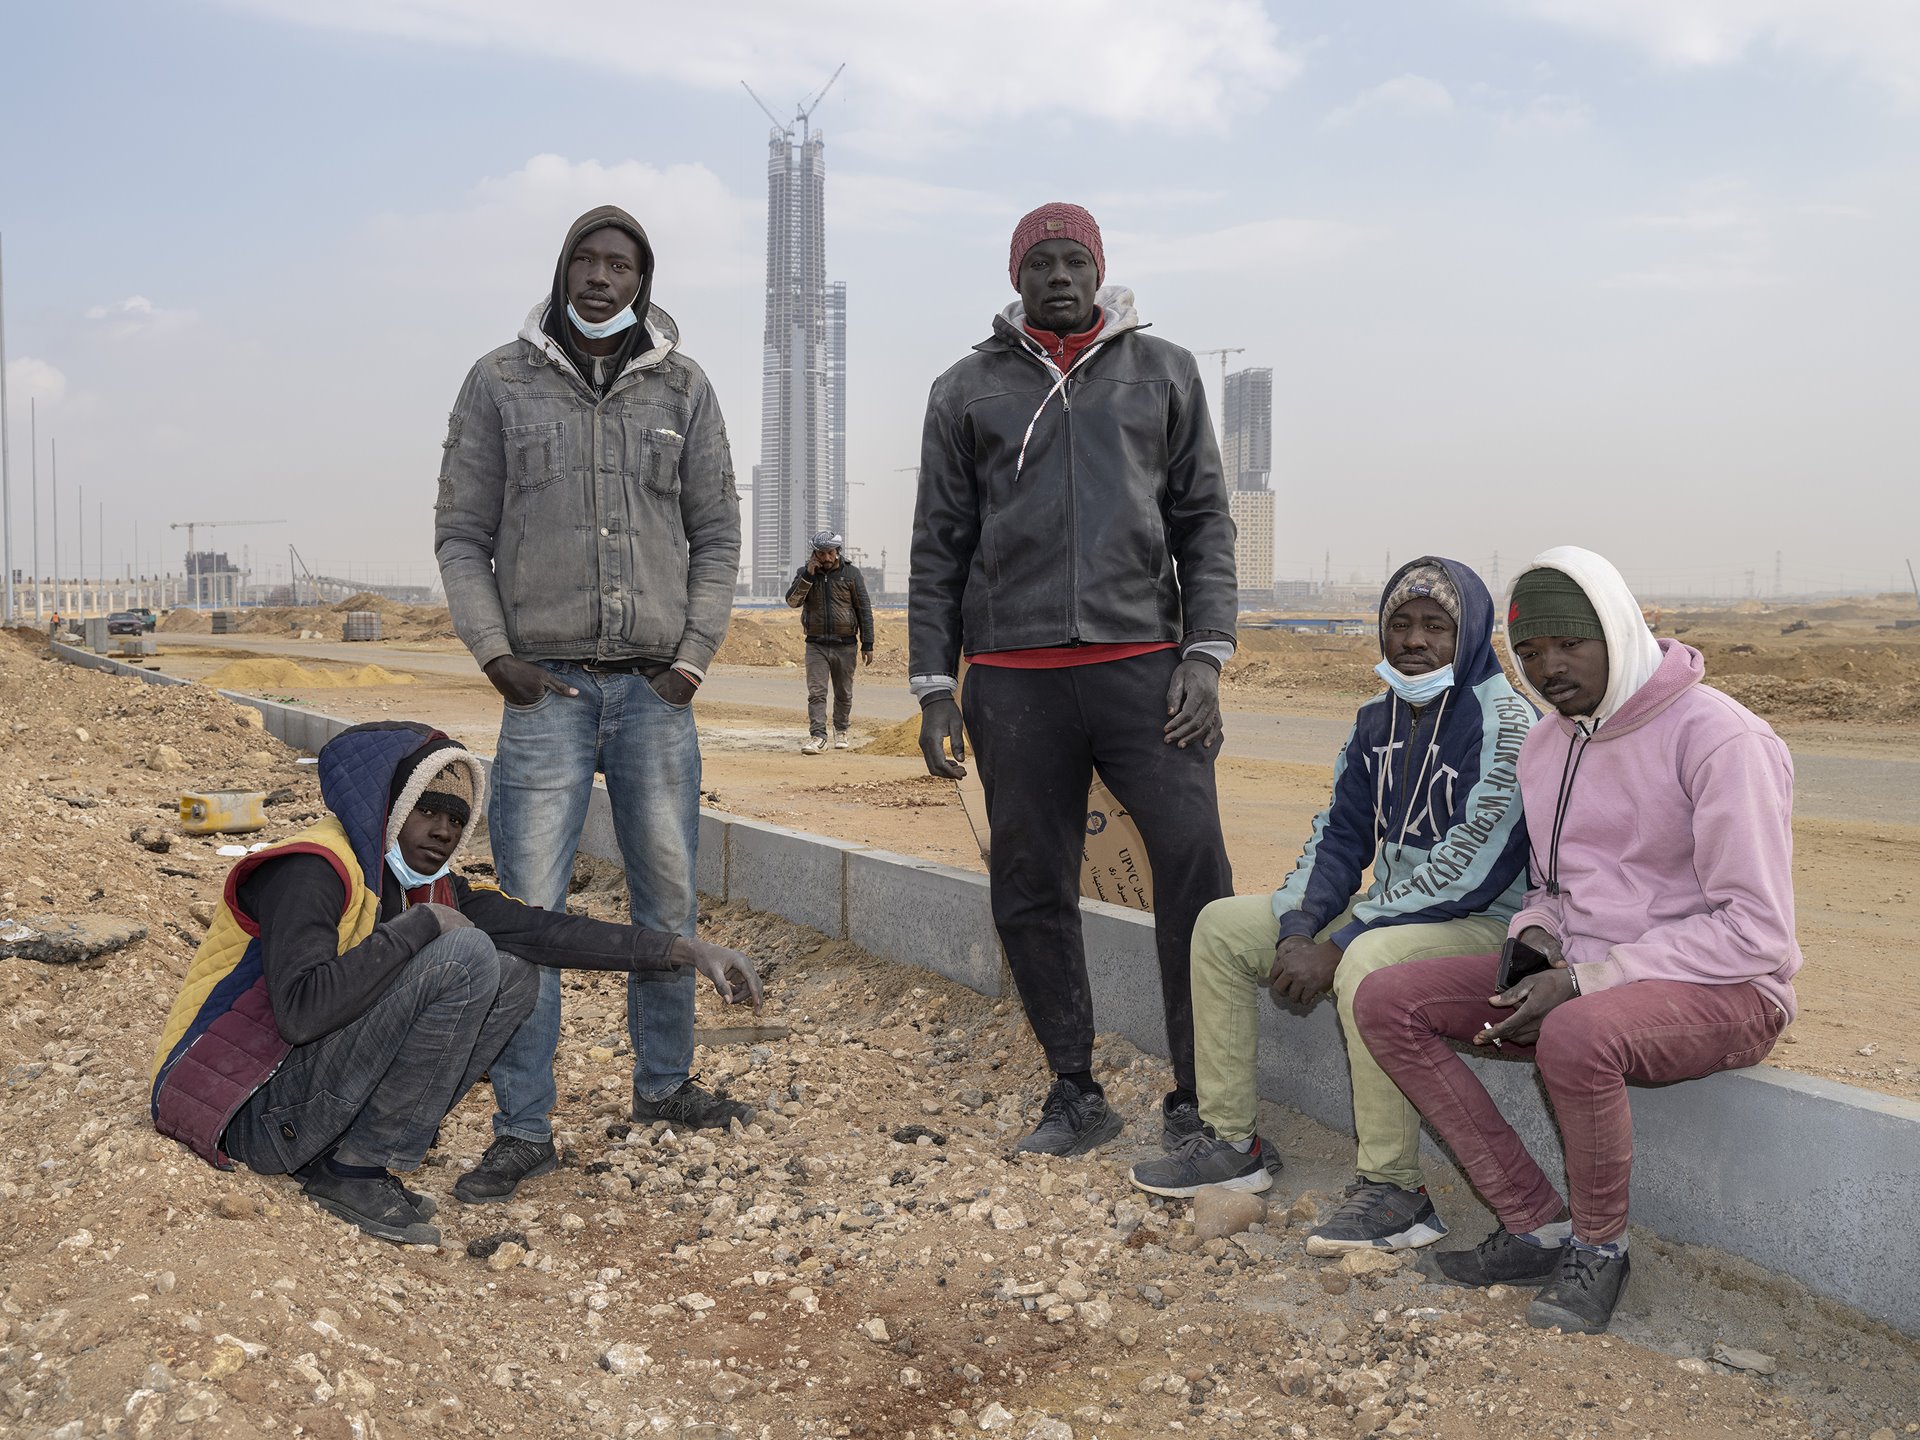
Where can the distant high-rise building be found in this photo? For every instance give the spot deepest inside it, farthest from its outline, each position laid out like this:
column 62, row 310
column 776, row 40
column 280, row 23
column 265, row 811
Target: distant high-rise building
column 1246, row 455
column 837, row 405
column 1247, row 446
column 799, row 486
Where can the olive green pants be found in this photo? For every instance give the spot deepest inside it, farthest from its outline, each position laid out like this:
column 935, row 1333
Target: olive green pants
column 1232, row 959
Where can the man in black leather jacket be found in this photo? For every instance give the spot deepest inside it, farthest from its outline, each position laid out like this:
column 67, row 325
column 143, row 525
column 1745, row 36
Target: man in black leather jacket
column 1072, row 538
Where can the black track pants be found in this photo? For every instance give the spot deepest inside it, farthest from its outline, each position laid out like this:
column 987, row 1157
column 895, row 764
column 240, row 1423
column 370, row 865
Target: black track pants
column 1038, row 736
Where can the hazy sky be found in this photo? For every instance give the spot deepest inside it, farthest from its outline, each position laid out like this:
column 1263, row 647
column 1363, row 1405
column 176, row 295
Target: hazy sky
column 1633, row 274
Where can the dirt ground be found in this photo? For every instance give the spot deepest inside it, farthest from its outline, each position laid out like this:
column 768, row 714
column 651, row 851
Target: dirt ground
column 865, row 1260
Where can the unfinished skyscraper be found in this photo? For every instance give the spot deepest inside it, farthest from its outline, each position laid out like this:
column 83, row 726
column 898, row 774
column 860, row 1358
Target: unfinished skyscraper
column 1247, row 458
column 800, row 485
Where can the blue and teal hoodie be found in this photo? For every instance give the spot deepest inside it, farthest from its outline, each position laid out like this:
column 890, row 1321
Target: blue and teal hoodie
column 1430, row 800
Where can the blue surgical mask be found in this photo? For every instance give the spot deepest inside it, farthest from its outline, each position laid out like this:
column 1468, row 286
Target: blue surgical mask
column 410, row 878
column 1416, row 689
column 625, row 320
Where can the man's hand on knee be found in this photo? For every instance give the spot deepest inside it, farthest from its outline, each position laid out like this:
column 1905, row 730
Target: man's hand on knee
column 449, row 918
column 1302, row 969
column 731, row 972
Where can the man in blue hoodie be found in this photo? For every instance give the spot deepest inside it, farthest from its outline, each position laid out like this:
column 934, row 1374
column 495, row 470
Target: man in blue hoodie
column 1424, row 791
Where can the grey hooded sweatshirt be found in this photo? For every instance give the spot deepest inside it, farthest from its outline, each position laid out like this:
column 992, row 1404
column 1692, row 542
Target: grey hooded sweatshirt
column 576, row 524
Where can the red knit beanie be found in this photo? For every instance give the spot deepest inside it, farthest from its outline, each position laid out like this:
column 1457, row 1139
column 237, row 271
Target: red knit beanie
column 1055, row 221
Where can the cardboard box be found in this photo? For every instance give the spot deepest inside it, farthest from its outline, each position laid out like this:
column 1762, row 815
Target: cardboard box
column 1113, row 863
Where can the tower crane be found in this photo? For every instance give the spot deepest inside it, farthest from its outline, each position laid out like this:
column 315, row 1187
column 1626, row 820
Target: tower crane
column 1230, row 350
column 802, row 113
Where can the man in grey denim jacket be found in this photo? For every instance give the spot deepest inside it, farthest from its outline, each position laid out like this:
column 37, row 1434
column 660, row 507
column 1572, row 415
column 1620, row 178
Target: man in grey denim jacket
column 588, row 533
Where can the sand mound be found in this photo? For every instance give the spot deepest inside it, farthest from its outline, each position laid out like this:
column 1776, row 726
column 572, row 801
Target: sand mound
column 257, row 676
column 185, row 622
column 901, row 739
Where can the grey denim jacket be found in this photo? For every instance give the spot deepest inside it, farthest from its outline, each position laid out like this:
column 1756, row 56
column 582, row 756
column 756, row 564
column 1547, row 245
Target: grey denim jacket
column 576, row 527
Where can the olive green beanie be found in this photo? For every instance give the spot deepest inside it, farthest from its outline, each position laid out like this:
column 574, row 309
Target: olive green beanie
column 1551, row 602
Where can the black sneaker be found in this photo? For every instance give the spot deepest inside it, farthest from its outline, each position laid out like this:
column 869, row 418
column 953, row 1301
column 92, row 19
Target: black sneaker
column 425, row 1206
column 1501, row 1259
column 1203, row 1161
column 378, row 1204
column 1178, row 1121
column 1072, row 1122
column 508, row 1161
column 1582, row 1294
column 1377, row 1216
column 693, row 1109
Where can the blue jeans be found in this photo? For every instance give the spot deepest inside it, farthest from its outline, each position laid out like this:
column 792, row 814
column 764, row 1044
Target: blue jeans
column 543, row 768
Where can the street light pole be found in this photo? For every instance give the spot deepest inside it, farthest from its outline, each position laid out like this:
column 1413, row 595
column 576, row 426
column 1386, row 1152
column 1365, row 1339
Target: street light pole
column 6, row 446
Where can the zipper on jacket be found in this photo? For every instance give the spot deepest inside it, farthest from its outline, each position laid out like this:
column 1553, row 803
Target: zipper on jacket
column 1073, row 520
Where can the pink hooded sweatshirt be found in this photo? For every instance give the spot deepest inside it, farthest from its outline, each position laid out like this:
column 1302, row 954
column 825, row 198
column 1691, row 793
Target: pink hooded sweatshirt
column 1675, row 849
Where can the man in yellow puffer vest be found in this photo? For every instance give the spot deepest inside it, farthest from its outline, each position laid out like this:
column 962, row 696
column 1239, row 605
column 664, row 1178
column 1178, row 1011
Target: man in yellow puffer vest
column 351, row 988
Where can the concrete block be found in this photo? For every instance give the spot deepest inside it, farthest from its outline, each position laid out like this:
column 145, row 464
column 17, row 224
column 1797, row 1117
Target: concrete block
column 597, row 835
column 1123, row 970
column 920, row 913
column 790, row 873
column 710, row 863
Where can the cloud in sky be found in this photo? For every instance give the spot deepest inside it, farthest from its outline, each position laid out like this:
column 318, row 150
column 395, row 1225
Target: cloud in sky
column 33, row 379
column 1880, row 38
column 1411, row 96
column 703, row 235
column 1133, row 62
column 136, row 315
column 1257, row 246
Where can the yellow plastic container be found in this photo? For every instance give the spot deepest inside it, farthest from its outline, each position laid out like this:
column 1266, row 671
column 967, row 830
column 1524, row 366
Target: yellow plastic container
column 223, row 812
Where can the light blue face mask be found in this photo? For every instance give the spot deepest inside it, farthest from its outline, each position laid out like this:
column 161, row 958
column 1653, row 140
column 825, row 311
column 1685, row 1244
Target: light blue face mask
column 410, row 878
column 625, row 320
column 1416, row 689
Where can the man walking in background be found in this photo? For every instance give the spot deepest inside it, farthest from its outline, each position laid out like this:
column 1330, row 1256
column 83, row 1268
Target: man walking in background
column 588, row 532
column 1072, row 538
column 831, row 597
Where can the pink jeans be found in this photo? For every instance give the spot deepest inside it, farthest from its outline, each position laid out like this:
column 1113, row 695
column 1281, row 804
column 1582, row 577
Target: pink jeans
column 1658, row 1031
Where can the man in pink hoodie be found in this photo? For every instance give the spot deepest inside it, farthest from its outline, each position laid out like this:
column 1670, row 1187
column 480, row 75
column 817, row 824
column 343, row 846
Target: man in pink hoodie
column 1660, row 816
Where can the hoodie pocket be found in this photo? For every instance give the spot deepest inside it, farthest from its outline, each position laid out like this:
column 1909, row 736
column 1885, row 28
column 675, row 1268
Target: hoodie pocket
column 536, row 454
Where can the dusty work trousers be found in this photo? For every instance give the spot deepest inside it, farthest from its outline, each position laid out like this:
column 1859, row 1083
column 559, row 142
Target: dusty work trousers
column 830, row 664
column 1038, row 736
column 375, row 1091
column 1657, row 1031
column 1232, row 959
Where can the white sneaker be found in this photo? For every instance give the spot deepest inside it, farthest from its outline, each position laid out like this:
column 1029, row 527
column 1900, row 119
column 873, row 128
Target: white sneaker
column 814, row 745
column 842, row 740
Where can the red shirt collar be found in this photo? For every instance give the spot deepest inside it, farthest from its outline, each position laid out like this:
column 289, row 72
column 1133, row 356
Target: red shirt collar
column 1063, row 350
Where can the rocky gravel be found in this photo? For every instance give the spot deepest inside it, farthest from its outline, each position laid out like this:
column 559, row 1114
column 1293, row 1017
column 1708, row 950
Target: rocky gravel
column 866, row 1259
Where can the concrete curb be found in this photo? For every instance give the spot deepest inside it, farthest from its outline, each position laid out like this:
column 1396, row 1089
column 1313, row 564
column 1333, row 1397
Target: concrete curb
column 1800, row 1175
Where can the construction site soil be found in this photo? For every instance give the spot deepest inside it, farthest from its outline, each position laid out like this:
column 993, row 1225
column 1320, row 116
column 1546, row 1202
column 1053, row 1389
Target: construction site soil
column 867, row 1259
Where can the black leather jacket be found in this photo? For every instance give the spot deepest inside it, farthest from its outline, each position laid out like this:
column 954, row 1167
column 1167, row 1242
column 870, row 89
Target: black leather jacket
column 1113, row 526
column 833, row 604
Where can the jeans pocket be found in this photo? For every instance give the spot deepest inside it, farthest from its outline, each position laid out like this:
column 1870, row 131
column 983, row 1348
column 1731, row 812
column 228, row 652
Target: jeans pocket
column 308, row 1127
column 545, row 696
column 661, row 700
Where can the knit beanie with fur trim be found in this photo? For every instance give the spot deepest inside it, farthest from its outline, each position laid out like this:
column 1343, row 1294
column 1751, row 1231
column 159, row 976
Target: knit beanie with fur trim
column 440, row 776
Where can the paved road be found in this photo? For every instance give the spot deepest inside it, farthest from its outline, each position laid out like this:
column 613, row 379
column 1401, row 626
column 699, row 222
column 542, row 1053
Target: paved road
column 1827, row 786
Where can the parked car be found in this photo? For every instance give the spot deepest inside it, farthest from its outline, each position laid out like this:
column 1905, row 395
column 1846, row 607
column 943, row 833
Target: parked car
column 124, row 622
column 148, row 620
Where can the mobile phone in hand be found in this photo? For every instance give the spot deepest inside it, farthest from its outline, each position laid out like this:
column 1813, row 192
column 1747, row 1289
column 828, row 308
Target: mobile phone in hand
column 1517, row 961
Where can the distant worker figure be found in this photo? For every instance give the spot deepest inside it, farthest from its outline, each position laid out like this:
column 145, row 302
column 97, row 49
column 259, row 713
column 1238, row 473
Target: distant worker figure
column 1072, row 537
column 588, row 532
column 831, row 597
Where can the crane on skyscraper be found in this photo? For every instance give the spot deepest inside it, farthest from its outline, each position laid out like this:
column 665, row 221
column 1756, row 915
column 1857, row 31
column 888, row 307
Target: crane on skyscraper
column 802, row 113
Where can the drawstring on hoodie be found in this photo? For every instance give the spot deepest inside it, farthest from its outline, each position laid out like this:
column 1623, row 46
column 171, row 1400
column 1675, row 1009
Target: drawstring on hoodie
column 1569, row 771
column 1386, row 770
column 1059, row 386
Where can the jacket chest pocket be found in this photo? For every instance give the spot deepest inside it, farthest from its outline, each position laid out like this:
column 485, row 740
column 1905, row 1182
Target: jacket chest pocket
column 536, row 454
column 656, row 458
